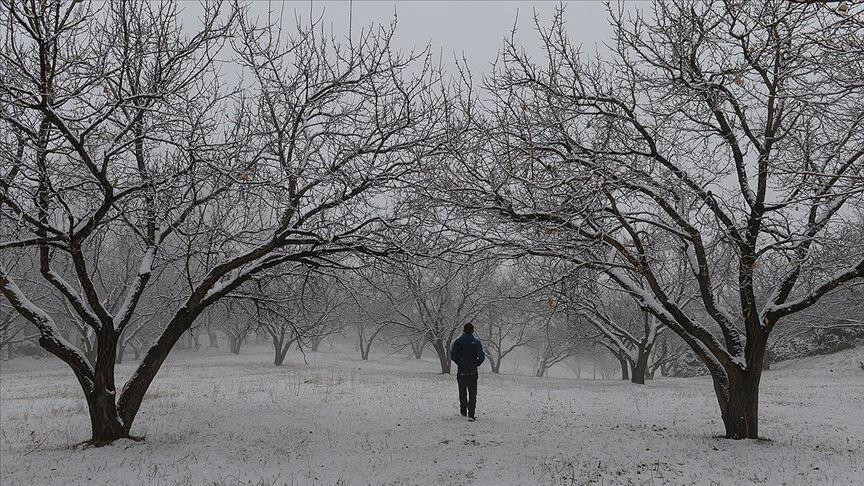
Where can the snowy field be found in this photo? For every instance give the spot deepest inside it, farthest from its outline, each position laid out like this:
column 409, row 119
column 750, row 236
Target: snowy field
column 231, row 420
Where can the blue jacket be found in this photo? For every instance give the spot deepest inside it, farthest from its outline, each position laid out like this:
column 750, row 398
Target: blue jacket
column 467, row 353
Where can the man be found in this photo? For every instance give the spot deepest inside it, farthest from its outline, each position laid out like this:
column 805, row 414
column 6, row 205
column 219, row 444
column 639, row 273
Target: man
column 467, row 353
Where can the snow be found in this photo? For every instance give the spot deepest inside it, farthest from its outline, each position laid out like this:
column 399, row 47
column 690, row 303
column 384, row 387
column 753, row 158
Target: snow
column 217, row 287
column 26, row 303
column 146, row 265
column 693, row 259
column 71, row 290
column 230, row 420
column 144, row 269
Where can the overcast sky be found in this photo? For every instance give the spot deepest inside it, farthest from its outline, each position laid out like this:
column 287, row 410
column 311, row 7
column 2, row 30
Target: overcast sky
column 474, row 29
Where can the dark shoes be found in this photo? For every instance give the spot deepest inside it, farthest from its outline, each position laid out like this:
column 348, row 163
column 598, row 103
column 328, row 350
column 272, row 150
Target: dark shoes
column 472, row 419
column 463, row 413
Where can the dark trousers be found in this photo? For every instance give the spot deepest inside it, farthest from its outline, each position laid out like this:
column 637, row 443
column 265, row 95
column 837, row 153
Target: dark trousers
column 467, row 393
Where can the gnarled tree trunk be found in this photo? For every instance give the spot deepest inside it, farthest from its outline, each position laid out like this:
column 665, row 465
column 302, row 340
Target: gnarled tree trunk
column 738, row 398
column 101, row 394
column 737, row 390
column 640, row 367
column 105, row 422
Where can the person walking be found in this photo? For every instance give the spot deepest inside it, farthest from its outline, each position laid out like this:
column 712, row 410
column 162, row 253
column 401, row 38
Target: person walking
column 467, row 353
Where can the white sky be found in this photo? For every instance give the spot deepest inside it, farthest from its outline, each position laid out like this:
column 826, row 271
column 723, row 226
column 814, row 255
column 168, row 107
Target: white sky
column 474, row 29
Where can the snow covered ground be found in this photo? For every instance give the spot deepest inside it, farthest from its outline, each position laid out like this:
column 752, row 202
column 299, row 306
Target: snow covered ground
column 230, row 420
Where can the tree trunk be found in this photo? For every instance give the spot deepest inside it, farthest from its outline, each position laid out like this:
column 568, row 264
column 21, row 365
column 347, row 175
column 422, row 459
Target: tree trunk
column 625, row 367
column 133, row 392
column 214, row 339
column 541, row 368
column 280, row 348
column 739, row 404
column 495, row 364
column 640, row 366
column 316, row 341
column 443, row 356
column 105, row 422
column 234, row 343
column 364, row 350
column 280, row 354
column 417, row 348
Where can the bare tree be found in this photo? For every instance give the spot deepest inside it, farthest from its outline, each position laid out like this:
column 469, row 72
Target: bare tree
column 367, row 330
column 508, row 322
column 368, row 311
column 321, row 304
column 559, row 338
column 729, row 130
column 126, row 125
column 324, row 309
column 293, row 308
column 275, row 321
column 668, row 349
column 435, row 298
column 232, row 317
column 418, row 344
column 626, row 330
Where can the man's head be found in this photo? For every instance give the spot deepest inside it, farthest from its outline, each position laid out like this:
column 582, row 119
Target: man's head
column 469, row 328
